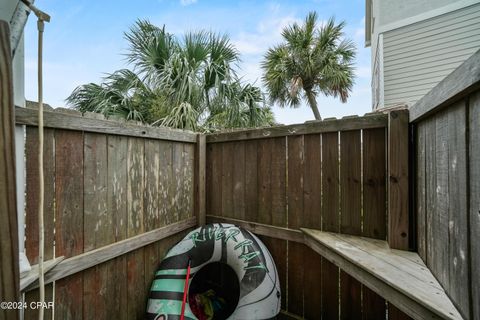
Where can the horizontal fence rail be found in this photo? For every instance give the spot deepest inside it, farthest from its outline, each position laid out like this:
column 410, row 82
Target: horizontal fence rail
column 376, row 120
column 72, row 120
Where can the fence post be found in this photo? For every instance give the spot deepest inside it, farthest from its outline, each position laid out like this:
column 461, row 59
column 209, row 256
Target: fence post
column 200, row 167
column 398, row 194
column 9, row 274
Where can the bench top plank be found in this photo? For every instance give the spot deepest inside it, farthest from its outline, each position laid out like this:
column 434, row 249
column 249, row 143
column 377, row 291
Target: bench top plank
column 402, row 271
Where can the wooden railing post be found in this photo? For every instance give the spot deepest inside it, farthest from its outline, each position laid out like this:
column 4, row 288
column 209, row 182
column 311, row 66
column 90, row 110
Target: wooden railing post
column 398, row 194
column 200, row 183
column 9, row 274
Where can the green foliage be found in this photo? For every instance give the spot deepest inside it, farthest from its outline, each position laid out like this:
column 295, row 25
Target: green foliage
column 187, row 83
column 311, row 60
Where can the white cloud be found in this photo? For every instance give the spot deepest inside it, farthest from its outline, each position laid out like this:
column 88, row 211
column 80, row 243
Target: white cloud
column 360, row 31
column 187, row 2
column 268, row 33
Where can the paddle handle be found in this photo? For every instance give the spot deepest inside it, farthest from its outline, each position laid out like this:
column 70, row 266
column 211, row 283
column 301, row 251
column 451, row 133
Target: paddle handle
column 185, row 292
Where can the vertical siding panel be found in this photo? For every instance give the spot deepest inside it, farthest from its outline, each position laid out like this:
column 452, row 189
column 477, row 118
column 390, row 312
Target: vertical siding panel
column 420, row 55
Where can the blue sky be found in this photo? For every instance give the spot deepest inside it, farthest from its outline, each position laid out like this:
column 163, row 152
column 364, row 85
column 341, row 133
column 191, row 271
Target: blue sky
column 84, row 40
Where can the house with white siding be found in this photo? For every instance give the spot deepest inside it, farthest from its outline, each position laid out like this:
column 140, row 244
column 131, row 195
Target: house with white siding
column 416, row 43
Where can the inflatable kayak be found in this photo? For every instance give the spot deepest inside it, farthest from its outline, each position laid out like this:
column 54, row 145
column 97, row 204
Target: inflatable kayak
column 231, row 276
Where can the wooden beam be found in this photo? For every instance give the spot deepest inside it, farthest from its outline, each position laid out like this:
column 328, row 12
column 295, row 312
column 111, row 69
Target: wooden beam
column 95, row 257
column 398, row 195
column 462, row 81
column 63, row 120
column 377, row 120
column 33, row 275
column 9, row 272
column 398, row 276
column 200, row 179
column 261, row 229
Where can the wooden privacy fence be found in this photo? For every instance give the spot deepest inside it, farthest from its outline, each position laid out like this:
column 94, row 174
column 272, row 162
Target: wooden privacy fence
column 113, row 191
column 447, row 184
column 330, row 176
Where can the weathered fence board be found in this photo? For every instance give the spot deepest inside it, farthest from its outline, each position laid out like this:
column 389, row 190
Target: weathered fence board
column 330, row 210
column 151, row 194
column 474, row 214
column 296, row 252
column 239, row 181
column 333, row 181
column 458, row 256
column 188, row 183
column 398, row 192
column 312, row 186
column 377, row 120
column 214, row 179
column 420, row 188
column 374, row 208
column 9, row 275
column 107, row 189
column 97, row 217
column 251, row 183
column 350, row 207
column 69, row 219
column 62, row 120
column 117, row 199
column 227, row 177
column 374, row 184
column 200, row 179
column 179, row 192
column 446, row 123
column 166, row 185
column 31, row 216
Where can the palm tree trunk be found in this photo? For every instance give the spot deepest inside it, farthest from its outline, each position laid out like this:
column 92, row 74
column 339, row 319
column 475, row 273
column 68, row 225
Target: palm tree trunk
column 313, row 104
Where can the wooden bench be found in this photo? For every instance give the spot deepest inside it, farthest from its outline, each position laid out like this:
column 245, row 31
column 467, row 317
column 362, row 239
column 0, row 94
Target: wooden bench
column 400, row 277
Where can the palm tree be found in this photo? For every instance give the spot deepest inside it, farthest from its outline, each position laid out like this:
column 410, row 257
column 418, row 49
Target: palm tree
column 311, row 60
column 188, row 83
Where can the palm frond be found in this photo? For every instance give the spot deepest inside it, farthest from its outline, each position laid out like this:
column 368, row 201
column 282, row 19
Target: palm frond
column 313, row 59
